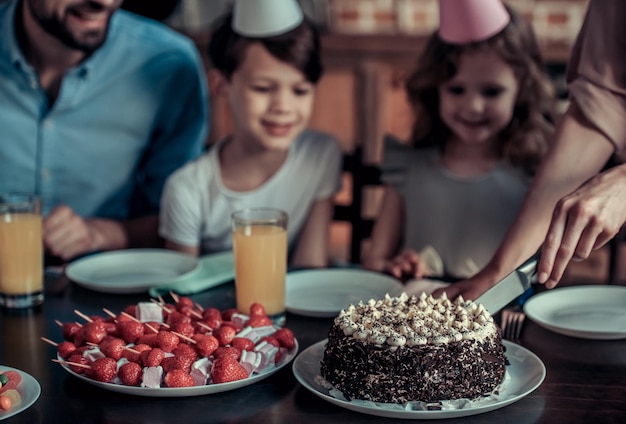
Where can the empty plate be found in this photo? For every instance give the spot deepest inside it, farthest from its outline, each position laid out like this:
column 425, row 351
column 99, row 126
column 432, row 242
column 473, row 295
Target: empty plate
column 588, row 312
column 130, row 271
column 325, row 292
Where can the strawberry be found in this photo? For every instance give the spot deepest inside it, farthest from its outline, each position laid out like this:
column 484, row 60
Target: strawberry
column 79, row 359
column 213, row 322
column 65, row 349
column 184, row 305
column 271, row 340
column 242, row 343
column 113, row 347
column 178, row 378
column 227, row 351
column 259, row 321
column 80, row 350
column 151, row 327
column 103, row 369
column 212, row 313
column 152, row 357
column 132, row 356
column 148, row 339
column 176, row 316
column 167, row 340
column 285, row 337
column 184, row 349
column 227, row 369
column 184, row 328
column 130, row 374
column 123, row 317
column 177, row 363
column 130, row 331
column 69, row 330
column 225, row 335
column 257, row 309
column 131, row 310
column 228, row 313
column 94, row 331
column 206, row 344
column 231, row 324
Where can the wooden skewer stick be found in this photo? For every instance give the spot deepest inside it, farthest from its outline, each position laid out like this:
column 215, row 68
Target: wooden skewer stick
column 109, row 312
column 182, row 336
column 130, row 349
column 174, row 296
column 83, row 316
column 199, row 306
column 76, row 364
column 203, row 325
column 60, row 324
column 151, row 327
column 161, row 304
column 49, row 341
column 129, row 316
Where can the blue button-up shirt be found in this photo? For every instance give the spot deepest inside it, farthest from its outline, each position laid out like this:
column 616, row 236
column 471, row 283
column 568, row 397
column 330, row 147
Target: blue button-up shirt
column 123, row 121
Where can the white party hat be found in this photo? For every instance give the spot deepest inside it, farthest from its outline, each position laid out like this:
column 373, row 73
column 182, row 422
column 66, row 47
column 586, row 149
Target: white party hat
column 465, row 21
column 266, row 18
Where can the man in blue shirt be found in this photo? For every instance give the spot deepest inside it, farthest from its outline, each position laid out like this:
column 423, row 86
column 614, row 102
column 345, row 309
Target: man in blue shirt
column 97, row 108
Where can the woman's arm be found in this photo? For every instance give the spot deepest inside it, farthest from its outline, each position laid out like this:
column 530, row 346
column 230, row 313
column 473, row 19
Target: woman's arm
column 578, row 152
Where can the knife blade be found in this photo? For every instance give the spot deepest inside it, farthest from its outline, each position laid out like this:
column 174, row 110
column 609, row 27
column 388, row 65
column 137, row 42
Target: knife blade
column 511, row 286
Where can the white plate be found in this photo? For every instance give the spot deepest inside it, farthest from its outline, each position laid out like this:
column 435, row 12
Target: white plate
column 526, row 373
column 325, row 292
column 130, row 271
column 28, row 388
column 588, row 312
column 188, row 391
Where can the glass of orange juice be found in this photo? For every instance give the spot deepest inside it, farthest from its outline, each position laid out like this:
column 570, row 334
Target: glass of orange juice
column 21, row 251
column 260, row 250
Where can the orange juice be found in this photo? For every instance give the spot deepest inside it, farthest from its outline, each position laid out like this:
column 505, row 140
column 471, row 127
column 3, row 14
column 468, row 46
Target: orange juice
column 21, row 254
column 260, row 267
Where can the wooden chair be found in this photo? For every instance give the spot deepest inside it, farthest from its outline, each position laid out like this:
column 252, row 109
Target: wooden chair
column 362, row 175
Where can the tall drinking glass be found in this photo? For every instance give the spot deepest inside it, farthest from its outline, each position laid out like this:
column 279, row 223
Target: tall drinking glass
column 21, row 251
column 260, row 250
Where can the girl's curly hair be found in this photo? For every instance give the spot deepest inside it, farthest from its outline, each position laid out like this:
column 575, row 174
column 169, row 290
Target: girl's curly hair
column 524, row 141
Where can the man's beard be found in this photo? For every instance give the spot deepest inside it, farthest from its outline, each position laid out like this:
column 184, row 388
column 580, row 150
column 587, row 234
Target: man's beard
column 87, row 42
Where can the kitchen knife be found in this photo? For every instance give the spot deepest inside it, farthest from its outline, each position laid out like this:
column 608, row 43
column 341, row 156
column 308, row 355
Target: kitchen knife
column 512, row 286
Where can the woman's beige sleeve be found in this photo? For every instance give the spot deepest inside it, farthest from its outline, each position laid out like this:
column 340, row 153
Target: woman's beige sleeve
column 597, row 69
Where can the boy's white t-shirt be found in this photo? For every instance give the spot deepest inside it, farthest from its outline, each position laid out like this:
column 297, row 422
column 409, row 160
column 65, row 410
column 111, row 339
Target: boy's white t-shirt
column 196, row 207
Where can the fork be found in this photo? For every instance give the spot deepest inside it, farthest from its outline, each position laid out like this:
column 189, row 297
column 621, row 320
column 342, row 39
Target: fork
column 512, row 322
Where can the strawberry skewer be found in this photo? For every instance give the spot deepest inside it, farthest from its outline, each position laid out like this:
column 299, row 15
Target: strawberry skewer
column 83, row 316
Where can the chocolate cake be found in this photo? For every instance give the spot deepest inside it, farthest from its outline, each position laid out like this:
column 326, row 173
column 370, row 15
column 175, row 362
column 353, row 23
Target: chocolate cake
column 403, row 349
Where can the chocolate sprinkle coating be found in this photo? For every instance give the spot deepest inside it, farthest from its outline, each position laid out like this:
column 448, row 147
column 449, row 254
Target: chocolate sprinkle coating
column 469, row 368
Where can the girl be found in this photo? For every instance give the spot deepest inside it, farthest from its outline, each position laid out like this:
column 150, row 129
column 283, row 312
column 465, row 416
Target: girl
column 483, row 110
column 270, row 159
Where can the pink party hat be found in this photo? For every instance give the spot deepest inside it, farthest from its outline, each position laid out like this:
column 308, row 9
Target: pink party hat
column 464, row 21
column 266, row 18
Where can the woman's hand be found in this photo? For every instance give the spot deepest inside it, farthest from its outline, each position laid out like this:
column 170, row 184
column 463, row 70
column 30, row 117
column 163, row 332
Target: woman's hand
column 583, row 221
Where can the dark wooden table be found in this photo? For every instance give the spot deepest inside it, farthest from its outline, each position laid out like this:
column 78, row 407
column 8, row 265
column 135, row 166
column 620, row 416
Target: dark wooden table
column 585, row 382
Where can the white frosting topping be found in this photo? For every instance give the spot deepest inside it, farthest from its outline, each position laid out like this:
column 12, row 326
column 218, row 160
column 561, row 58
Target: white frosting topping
column 416, row 321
